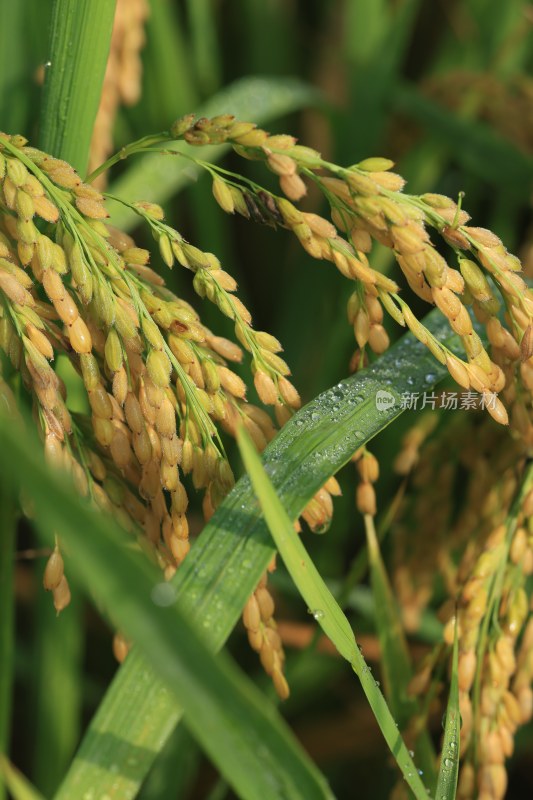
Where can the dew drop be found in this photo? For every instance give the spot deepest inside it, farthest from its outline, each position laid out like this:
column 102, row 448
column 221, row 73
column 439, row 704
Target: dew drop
column 410, row 380
column 359, row 434
column 412, row 753
column 163, row 594
column 315, row 415
column 316, row 613
column 430, row 377
column 324, row 528
column 448, row 763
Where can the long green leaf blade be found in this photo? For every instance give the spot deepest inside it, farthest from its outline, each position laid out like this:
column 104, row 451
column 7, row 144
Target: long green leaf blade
column 80, row 36
column 229, row 557
column 156, row 178
column 79, row 45
column 449, row 763
column 237, row 726
column 324, row 607
column 395, row 661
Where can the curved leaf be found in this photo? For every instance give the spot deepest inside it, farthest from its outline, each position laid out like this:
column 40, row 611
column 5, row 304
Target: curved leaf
column 395, row 660
column 228, row 558
column 325, row 608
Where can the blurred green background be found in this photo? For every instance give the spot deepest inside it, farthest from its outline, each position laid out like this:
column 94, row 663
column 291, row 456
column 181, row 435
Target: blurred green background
column 443, row 87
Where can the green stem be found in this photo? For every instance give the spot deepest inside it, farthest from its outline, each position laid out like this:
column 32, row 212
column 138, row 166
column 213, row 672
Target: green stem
column 79, row 46
column 7, row 617
column 139, row 146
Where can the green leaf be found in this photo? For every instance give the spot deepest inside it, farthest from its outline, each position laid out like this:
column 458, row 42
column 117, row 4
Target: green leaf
column 449, row 763
column 15, row 782
column 319, row 599
column 395, row 661
column 156, row 178
column 80, row 36
column 235, row 723
column 230, row 555
column 79, row 46
column 324, row 607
